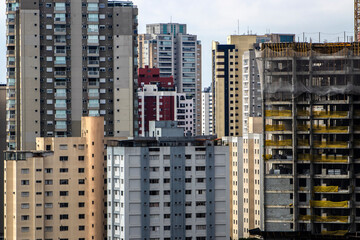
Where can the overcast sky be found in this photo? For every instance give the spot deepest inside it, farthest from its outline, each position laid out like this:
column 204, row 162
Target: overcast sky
column 216, row 19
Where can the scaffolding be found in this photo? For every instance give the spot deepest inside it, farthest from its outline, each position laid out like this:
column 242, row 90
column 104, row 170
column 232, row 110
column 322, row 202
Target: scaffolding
column 311, row 102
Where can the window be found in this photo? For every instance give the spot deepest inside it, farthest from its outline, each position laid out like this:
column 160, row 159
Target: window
column 24, row 194
column 63, row 181
column 81, row 216
column 81, row 170
column 48, row 182
column 48, row 229
column 81, row 193
column 48, row 170
column 48, row 193
column 81, row 228
column 48, row 217
column 81, row 158
column 64, row 193
column 25, row 217
column 64, row 228
column 64, row 216
column 81, row 181
column 48, row 205
column 64, row 158
column 24, row 171
column 200, row 215
column 64, row 170
column 81, row 204
column 25, row 182
column 25, row 206
column 25, row 229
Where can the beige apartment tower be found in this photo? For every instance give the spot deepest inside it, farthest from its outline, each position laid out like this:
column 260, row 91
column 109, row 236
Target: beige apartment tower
column 68, row 59
column 57, row 190
column 246, row 180
column 234, row 78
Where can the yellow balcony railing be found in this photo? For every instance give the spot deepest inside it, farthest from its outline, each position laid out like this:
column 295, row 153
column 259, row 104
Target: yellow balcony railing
column 329, row 204
column 278, row 113
column 333, row 129
column 330, row 114
column 334, row 144
column 324, row 218
column 279, row 143
column 326, row 189
column 335, row 233
column 319, row 158
column 274, row 127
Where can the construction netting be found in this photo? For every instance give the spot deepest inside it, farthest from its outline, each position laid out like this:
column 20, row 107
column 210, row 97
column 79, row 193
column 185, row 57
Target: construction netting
column 329, row 204
column 280, row 143
column 332, row 129
column 330, row 114
column 278, row 113
column 343, row 219
column 283, row 83
column 323, row 158
column 326, row 188
column 303, row 143
column 335, row 233
column 334, row 144
column 275, row 128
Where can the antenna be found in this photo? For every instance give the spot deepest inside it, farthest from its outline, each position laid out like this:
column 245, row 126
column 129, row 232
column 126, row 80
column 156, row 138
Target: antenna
column 238, row 27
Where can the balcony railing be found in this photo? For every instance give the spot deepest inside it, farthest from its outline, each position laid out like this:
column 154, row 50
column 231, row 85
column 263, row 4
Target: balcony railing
column 58, row 115
column 93, row 105
column 60, row 105
column 60, row 126
column 60, row 94
column 60, row 73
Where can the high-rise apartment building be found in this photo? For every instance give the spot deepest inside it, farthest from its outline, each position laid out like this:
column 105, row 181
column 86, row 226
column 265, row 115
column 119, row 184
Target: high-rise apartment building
column 168, row 187
column 159, row 101
column 311, row 112
column 235, row 80
column 252, row 100
column 66, row 60
column 246, row 180
column 57, row 190
column 206, row 112
column 3, row 127
column 176, row 53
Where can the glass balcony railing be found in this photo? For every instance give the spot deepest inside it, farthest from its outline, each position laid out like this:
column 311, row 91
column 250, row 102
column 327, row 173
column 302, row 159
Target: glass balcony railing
column 93, row 105
column 94, row 94
column 92, row 73
column 60, row 105
column 93, row 62
column 60, row 94
column 60, row 126
column 60, row 115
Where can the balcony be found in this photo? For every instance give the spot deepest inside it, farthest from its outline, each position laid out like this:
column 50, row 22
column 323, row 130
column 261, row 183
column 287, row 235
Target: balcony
column 60, row 84
column 10, row 52
column 60, row 127
column 94, row 94
column 60, row 105
column 93, row 74
column 11, row 138
column 59, row 30
column 60, row 116
column 93, row 51
column 10, row 116
column 93, row 62
column 93, row 105
column 60, row 94
column 10, row 127
column 59, row 73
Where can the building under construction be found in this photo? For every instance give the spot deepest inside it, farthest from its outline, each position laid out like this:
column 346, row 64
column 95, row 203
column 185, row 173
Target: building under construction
column 311, row 104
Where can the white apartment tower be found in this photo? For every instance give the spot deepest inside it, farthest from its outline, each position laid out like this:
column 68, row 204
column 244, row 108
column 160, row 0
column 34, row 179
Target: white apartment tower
column 168, row 187
column 206, row 112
